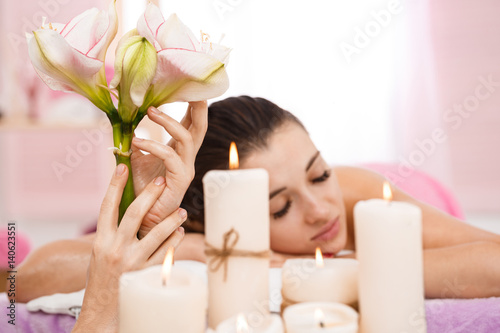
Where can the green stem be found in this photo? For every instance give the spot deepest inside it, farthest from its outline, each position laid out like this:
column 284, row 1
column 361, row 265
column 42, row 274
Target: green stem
column 128, row 193
column 122, row 138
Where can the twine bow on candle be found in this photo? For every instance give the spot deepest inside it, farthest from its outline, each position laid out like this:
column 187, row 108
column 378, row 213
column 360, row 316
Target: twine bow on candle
column 220, row 257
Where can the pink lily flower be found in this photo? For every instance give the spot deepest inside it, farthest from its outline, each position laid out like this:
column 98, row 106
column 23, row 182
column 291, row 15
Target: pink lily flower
column 70, row 57
column 187, row 70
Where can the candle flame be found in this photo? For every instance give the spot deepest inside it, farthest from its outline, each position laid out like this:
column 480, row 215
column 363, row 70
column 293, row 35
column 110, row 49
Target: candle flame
column 233, row 157
column 167, row 265
column 319, row 318
column 387, row 192
column 241, row 324
column 319, row 258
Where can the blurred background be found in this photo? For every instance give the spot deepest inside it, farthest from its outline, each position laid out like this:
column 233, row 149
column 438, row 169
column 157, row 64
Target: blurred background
column 414, row 84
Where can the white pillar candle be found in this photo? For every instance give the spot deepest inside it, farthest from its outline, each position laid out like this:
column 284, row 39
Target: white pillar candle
column 320, row 317
column 389, row 251
column 146, row 305
column 243, row 324
column 303, row 280
column 237, row 200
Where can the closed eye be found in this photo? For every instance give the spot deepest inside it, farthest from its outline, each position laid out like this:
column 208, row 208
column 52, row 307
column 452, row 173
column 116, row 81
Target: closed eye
column 323, row 177
column 283, row 212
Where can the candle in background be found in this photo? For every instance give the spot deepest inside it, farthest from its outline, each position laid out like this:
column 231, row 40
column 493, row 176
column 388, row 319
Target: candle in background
column 320, row 317
column 159, row 299
column 240, row 324
column 329, row 280
column 237, row 236
column 389, row 251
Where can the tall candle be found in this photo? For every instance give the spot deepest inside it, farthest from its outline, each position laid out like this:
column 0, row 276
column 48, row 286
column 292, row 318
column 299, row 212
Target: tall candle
column 389, row 251
column 237, row 220
column 146, row 305
column 330, row 280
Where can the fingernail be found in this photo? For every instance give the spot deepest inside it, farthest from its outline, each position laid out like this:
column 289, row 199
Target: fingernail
column 181, row 230
column 182, row 213
column 136, row 139
column 159, row 181
column 154, row 110
column 120, row 169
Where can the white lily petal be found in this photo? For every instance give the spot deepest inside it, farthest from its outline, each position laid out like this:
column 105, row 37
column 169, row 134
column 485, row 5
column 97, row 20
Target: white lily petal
column 57, row 84
column 54, row 57
column 78, row 32
column 120, row 53
column 175, row 34
column 149, row 22
column 217, row 51
column 92, row 31
column 188, row 76
column 109, row 26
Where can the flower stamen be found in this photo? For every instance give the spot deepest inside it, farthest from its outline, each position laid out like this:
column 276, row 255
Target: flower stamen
column 205, row 38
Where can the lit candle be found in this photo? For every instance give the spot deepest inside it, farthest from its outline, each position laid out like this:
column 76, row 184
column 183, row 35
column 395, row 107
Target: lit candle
column 160, row 299
column 389, row 250
column 329, row 280
column 240, row 324
column 237, row 236
column 320, row 317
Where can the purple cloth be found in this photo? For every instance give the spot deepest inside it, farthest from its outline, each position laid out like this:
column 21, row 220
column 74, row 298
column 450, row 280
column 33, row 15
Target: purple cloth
column 463, row 315
column 481, row 315
column 32, row 322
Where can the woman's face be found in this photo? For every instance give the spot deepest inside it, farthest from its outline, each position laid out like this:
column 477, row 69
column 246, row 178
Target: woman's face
column 306, row 206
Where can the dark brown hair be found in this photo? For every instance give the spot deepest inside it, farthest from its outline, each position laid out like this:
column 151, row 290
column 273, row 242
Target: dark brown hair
column 248, row 122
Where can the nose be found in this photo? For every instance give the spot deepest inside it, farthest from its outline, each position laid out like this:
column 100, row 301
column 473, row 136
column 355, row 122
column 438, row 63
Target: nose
column 316, row 209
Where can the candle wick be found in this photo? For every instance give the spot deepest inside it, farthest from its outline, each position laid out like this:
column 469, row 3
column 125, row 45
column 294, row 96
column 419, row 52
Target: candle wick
column 163, row 281
column 321, row 324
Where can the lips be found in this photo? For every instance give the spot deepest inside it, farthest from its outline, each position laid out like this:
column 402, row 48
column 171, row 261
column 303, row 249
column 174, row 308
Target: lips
column 328, row 232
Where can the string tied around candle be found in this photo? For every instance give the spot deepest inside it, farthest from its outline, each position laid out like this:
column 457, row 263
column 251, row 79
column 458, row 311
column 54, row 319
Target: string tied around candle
column 220, row 257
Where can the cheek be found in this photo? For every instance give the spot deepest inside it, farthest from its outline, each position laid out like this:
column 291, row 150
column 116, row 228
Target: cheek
column 334, row 194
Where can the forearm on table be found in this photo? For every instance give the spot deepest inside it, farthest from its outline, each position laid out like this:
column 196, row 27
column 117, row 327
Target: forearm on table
column 58, row 267
column 192, row 247
column 463, row 271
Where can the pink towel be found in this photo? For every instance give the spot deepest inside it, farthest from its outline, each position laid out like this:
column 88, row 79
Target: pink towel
column 420, row 186
column 14, row 245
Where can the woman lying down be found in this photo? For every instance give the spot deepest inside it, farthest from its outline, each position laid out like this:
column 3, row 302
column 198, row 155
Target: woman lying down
column 311, row 205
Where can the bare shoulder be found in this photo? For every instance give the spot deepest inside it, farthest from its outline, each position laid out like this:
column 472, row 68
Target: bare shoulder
column 88, row 238
column 359, row 183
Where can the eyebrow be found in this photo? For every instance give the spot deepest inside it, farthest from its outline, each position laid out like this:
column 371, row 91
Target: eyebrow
column 275, row 193
column 311, row 161
column 309, row 164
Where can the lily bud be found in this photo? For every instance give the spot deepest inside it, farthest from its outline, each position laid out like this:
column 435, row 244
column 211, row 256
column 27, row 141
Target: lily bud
column 135, row 68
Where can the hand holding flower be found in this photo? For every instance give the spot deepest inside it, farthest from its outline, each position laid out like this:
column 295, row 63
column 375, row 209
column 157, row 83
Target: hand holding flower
column 174, row 161
column 116, row 250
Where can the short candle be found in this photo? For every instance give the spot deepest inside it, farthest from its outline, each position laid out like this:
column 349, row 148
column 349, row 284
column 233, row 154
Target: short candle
column 320, row 317
column 147, row 305
column 329, row 280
